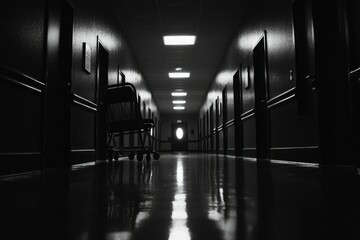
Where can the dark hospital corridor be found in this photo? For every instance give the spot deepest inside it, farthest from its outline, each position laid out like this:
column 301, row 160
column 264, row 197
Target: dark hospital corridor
column 180, row 119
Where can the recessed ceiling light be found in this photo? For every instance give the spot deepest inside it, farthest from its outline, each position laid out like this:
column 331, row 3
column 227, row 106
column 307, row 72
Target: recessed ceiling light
column 179, row 74
column 178, row 69
column 179, row 108
column 179, row 40
column 179, row 102
column 178, row 94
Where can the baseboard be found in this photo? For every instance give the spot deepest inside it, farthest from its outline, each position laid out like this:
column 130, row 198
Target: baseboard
column 308, row 154
column 230, row 152
column 79, row 156
column 249, row 152
column 297, row 154
column 15, row 163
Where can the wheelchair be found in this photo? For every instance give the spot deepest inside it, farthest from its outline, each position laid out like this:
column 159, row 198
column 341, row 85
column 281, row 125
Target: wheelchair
column 123, row 117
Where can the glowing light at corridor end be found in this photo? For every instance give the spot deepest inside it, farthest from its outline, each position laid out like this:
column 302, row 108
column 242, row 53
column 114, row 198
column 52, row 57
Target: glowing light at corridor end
column 179, row 133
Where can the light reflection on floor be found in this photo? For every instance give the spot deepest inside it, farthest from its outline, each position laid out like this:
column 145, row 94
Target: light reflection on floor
column 179, row 229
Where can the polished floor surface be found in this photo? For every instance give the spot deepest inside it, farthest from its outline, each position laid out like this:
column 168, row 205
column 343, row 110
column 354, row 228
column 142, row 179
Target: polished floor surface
column 182, row 197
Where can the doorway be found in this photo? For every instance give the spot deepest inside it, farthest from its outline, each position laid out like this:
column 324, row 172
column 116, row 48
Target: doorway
column 179, row 137
column 260, row 86
column 102, row 82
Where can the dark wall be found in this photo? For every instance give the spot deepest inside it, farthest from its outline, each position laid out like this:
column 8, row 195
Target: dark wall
column 21, row 83
column 292, row 136
column 354, row 37
column 24, row 70
column 354, row 56
column 22, row 24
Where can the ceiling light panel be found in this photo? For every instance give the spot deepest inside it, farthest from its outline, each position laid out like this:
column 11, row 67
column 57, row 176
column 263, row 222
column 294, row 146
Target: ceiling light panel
column 179, row 74
column 179, row 108
column 179, row 102
column 178, row 94
column 180, row 40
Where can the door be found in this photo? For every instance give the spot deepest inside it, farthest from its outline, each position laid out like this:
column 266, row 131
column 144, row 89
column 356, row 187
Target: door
column 179, row 137
column 207, row 132
column 204, row 134
column 260, row 86
column 212, row 128
column 156, row 134
column 322, row 65
column 305, row 55
column 149, row 138
column 102, row 82
column 58, row 85
column 139, row 134
column 225, row 132
column 217, row 123
column 237, row 113
column 199, row 134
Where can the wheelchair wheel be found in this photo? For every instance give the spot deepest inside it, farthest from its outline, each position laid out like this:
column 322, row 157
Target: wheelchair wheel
column 148, row 157
column 156, row 155
column 139, row 157
column 131, row 155
column 109, row 154
column 116, row 156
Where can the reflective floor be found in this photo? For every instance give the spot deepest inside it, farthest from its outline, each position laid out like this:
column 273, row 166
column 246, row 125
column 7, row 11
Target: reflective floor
column 181, row 197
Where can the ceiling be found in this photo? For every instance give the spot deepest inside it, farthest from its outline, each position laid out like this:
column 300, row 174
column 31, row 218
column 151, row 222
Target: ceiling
column 144, row 23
